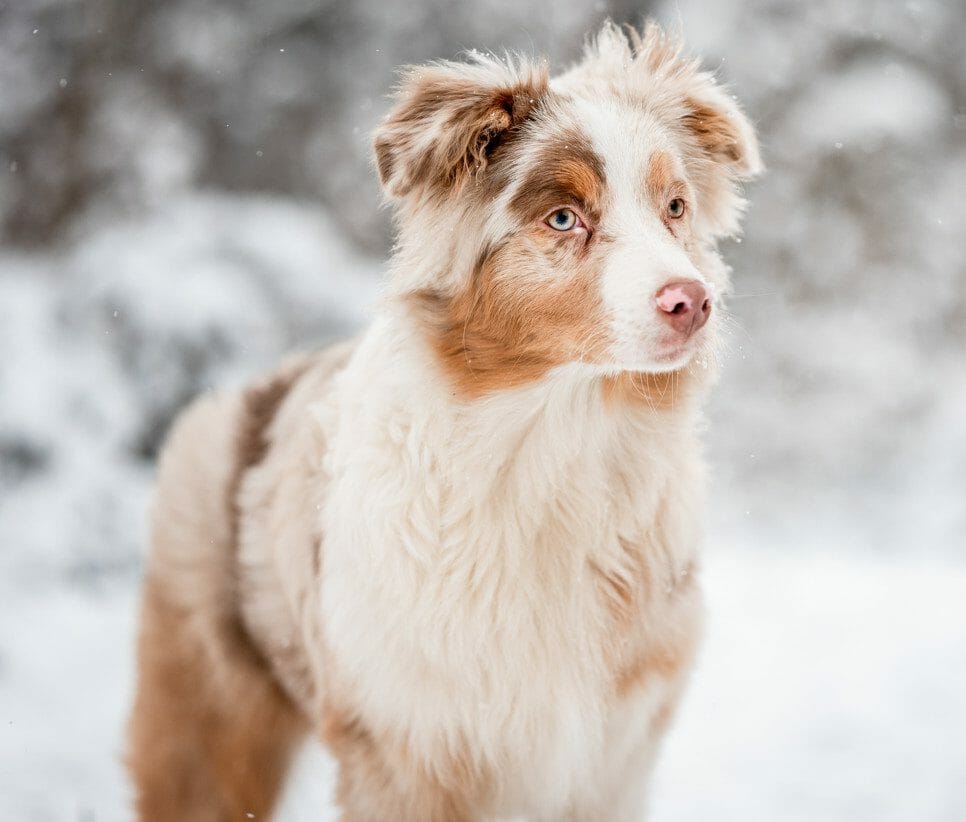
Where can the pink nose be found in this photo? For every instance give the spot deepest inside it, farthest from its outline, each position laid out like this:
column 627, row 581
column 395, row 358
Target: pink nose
column 685, row 305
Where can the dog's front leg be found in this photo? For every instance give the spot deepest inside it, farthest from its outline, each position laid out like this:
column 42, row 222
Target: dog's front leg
column 378, row 780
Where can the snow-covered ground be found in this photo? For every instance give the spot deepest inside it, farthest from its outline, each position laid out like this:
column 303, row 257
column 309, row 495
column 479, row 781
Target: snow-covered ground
column 830, row 687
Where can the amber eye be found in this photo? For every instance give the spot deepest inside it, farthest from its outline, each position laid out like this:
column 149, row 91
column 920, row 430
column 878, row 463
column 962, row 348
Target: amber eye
column 675, row 208
column 562, row 219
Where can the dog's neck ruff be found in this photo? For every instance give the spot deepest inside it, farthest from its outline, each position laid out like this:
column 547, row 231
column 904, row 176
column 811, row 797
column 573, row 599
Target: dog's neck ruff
column 534, row 444
column 503, row 528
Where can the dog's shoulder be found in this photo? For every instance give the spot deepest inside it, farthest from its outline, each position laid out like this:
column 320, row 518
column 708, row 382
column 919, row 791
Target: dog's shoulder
column 274, row 404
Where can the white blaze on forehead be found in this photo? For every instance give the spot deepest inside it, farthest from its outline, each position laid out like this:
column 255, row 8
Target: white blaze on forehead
column 642, row 254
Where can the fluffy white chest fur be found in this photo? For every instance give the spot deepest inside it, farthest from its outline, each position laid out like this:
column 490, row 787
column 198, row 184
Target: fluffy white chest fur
column 476, row 561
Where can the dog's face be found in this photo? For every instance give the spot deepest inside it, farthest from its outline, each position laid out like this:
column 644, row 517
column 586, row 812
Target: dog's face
column 545, row 222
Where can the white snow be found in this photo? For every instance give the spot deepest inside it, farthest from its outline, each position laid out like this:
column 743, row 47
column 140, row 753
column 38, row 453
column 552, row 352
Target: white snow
column 830, row 686
column 870, row 103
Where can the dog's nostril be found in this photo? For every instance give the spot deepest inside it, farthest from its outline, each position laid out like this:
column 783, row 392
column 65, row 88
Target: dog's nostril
column 684, row 304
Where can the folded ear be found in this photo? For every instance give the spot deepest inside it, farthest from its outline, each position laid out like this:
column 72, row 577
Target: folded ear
column 723, row 132
column 725, row 153
column 448, row 120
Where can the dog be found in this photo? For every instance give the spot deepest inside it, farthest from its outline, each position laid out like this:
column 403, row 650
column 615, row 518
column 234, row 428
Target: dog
column 462, row 548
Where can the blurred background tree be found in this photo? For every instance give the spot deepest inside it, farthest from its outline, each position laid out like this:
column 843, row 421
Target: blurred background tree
column 122, row 100
column 181, row 183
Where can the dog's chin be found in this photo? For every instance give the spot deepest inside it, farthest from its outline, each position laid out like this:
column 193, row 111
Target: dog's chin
column 666, row 357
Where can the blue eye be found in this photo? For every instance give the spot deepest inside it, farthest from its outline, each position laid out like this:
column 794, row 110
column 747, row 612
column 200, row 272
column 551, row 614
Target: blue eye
column 562, row 220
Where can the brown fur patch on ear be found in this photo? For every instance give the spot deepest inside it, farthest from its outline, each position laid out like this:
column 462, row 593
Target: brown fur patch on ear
column 448, row 121
column 715, row 132
column 506, row 330
column 723, row 151
column 385, row 164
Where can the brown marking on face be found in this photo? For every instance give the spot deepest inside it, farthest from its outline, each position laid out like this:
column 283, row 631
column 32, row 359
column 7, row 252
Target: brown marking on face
column 515, row 321
column 533, row 303
column 566, row 172
column 469, row 120
column 662, row 182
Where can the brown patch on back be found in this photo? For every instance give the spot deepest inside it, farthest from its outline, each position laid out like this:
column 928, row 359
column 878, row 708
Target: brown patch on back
column 567, row 171
column 506, row 329
column 212, row 730
column 260, row 404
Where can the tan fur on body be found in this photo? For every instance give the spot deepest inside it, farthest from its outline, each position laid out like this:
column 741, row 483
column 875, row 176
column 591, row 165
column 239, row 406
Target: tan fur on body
column 462, row 549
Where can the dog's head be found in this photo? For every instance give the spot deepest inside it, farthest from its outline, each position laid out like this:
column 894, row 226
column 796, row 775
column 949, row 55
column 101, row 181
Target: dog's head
column 549, row 221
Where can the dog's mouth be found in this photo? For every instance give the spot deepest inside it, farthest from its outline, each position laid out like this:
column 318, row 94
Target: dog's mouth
column 663, row 353
column 675, row 347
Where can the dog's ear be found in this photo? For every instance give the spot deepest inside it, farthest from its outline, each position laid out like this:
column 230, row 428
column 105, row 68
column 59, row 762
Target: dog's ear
column 449, row 118
column 722, row 131
column 727, row 153
column 722, row 147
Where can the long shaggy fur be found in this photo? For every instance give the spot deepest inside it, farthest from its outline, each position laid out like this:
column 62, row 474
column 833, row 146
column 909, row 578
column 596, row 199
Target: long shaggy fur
column 462, row 549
